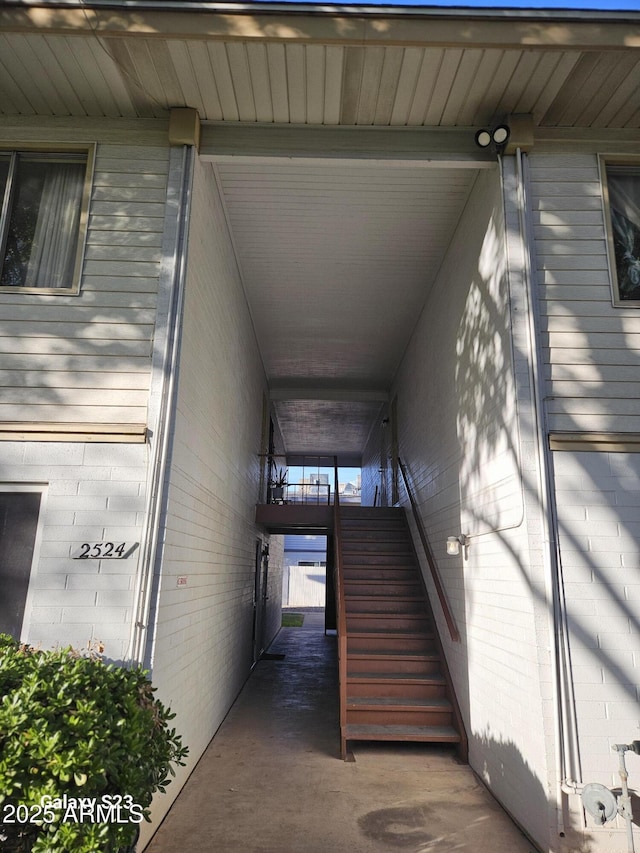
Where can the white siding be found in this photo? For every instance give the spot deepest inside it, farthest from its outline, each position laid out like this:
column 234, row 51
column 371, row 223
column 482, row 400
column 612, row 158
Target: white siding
column 86, row 358
column 203, row 651
column 459, row 437
column 591, row 349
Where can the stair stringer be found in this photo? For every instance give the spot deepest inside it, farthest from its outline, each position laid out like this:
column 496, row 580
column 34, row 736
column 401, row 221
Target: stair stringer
column 405, row 696
column 463, row 746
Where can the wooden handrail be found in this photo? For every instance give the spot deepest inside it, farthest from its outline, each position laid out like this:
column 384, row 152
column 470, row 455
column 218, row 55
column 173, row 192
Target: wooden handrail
column 341, row 620
column 435, row 575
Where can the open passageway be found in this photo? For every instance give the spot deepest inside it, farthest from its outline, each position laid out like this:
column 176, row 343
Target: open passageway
column 271, row 781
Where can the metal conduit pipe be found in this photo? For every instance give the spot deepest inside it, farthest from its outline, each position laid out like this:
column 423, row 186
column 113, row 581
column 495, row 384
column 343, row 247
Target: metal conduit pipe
column 151, row 550
column 568, row 772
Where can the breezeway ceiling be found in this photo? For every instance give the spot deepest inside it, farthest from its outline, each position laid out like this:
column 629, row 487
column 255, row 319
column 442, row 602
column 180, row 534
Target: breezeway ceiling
column 337, row 260
column 337, row 255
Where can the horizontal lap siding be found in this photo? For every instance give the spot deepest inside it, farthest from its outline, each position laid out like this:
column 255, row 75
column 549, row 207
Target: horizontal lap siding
column 86, row 358
column 591, row 349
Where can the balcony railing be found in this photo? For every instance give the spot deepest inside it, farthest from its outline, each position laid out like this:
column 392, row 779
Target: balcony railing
column 316, row 489
column 300, row 493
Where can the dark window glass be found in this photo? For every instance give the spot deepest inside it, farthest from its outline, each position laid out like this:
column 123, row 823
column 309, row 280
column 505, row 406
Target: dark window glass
column 624, row 204
column 43, row 197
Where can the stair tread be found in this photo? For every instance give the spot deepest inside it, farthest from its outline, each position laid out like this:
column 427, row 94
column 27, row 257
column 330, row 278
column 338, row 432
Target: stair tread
column 379, row 732
column 378, row 581
column 425, row 677
column 401, row 611
column 391, row 633
column 379, row 574
column 385, row 654
column 378, row 560
column 389, row 702
column 378, row 614
column 367, row 596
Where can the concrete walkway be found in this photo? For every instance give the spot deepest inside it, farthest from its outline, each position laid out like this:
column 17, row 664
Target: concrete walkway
column 272, row 781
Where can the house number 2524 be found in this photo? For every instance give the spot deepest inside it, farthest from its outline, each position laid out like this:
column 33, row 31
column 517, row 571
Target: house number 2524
column 103, row 551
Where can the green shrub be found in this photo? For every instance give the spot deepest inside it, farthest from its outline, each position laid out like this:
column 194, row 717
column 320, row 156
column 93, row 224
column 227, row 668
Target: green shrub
column 72, row 725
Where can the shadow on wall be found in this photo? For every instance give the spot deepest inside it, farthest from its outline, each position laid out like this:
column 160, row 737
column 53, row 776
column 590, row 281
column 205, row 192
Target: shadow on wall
column 504, row 766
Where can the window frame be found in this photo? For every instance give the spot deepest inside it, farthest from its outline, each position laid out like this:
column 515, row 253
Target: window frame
column 604, row 161
column 88, row 150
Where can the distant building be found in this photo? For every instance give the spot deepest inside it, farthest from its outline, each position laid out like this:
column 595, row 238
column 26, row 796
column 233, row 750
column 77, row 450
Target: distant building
column 304, row 572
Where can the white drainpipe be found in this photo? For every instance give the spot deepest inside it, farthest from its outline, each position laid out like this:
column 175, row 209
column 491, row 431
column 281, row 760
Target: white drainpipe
column 163, row 376
column 568, row 771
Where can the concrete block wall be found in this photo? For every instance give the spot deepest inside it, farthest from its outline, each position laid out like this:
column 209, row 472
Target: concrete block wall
column 203, row 644
column 460, row 439
column 598, row 498
column 377, row 447
column 91, row 493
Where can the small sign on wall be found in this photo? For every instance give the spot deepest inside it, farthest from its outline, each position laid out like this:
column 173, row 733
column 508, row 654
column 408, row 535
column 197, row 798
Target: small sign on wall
column 103, row 550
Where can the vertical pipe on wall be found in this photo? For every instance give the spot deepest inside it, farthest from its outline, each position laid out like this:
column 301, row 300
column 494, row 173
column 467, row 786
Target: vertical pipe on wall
column 567, row 751
column 165, row 369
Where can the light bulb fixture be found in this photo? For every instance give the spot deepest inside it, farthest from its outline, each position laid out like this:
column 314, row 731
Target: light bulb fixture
column 498, row 137
column 453, row 546
column 454, row 543
column 483, row 139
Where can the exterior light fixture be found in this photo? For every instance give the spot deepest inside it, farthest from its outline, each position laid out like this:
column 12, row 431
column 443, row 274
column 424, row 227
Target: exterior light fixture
column 499, row 137
column 483, row 139
column 453, row 546
column 454, row 543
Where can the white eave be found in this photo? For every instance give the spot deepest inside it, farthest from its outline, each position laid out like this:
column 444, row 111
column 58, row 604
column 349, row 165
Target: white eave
column 341, row 138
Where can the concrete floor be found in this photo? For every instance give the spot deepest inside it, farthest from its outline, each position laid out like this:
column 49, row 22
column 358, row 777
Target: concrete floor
column 271, row 780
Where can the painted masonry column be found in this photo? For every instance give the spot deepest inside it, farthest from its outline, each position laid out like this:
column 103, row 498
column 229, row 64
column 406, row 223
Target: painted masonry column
column 538, row 490
column 184, row 138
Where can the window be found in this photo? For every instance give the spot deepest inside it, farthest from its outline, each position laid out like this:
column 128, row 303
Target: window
column 43, row 220
column 622, row 196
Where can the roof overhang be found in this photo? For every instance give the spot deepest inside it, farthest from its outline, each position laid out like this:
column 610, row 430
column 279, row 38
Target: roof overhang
column 341, row 141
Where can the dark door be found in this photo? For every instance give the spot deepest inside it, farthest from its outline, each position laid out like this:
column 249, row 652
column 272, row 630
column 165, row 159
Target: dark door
column 18, row 526
column 260, row 598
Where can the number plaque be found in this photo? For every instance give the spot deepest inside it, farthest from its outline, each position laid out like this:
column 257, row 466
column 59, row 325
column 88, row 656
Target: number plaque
column 103, row 550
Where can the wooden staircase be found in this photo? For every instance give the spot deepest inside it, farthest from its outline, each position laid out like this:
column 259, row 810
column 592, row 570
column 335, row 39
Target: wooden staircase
column 397, row 684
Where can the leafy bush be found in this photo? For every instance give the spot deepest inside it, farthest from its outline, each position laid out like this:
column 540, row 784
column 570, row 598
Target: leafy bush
column 73, row 727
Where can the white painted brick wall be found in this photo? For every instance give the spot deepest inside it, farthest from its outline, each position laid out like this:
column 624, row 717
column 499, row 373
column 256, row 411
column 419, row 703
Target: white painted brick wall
column 600, row 552
column 203, row 651
column 460, row 439
column 72, row 602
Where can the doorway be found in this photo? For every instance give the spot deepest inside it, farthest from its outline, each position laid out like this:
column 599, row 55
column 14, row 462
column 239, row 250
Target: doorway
column 260, row 598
